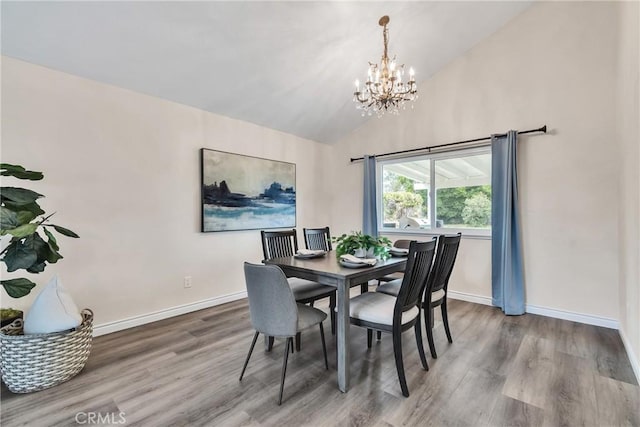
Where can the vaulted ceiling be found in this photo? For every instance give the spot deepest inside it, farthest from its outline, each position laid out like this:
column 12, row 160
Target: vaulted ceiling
column 284, row 65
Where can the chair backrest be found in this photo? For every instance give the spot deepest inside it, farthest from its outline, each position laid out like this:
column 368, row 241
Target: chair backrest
column 271, row 302
column 317, row 238
column 276, row 244
column 444, row 262
column 402, row 244
column 419, row 263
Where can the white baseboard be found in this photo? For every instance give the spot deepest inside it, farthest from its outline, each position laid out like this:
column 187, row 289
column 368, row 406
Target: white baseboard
column 478, row 299
column 633, row 358
column 544, row 311
column 119, row 325
column 588, row 319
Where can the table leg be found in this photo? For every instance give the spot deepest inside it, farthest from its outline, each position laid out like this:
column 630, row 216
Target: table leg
column 342, row 336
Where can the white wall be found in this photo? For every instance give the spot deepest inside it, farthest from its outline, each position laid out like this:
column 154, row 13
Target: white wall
column 122, row 170
column 555, row 64
column 628, row 136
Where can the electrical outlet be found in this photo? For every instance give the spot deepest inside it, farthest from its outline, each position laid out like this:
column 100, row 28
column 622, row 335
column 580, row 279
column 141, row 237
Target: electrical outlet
column 187, row 281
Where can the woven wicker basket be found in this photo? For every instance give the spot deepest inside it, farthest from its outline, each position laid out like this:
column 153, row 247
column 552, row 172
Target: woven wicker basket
column 34, row 362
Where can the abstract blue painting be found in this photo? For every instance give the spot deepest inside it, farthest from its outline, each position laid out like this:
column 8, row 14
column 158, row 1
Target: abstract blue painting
column 246, row 193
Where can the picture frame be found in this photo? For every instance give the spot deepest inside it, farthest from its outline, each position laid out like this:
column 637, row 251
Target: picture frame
column 240, row 192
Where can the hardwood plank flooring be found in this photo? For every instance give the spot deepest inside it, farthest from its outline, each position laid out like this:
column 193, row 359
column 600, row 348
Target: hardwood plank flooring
column 531, row 378
column 500, row 371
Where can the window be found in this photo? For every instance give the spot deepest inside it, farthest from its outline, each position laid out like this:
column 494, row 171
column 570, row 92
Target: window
column 438, row 193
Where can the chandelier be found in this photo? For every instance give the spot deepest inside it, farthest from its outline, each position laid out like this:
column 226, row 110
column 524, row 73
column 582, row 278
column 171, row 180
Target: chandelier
column 384, row 90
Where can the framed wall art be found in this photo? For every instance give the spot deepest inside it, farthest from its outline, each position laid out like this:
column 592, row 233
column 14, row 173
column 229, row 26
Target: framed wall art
column 246, row 193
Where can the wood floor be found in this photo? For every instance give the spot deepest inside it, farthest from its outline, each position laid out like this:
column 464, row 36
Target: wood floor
column 526, row 370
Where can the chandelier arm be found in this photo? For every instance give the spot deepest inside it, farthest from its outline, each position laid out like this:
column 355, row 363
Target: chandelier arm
column 362, row 99
column 404, row 92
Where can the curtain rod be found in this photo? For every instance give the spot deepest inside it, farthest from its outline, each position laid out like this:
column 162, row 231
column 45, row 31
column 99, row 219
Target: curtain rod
column 543, row 129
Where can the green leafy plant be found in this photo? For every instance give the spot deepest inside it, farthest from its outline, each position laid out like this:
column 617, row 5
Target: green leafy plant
column 399, row 204
column 22, row 218
column 477, row 211
column 451, row 201
column 9, row 314
column 349, row 243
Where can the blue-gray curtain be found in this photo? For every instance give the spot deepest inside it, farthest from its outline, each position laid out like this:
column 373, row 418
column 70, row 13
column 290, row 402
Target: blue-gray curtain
column 507, row 281
column 369, row 212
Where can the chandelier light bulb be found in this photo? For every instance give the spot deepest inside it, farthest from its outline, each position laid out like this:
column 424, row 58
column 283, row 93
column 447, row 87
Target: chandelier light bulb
column 387, row 92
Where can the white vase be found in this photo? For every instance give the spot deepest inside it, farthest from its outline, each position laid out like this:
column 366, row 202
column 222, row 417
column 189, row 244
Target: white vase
column 364, row 253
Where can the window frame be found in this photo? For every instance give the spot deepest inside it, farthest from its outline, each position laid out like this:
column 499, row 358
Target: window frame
column 432, row 157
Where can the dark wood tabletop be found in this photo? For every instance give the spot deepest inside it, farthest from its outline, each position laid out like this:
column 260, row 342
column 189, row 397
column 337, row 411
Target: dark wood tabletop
column 327, row 267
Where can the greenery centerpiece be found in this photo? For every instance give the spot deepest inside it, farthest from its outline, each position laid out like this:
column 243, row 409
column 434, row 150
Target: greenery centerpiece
column 21, row 221
column 359, row 244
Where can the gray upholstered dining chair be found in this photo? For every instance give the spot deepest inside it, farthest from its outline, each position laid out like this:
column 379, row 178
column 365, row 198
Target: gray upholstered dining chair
column 436, row 291
column 320, row 238
column 276, row 244
column 387, row 313
column 403, row 244
column 275, row 313
column 317, row 238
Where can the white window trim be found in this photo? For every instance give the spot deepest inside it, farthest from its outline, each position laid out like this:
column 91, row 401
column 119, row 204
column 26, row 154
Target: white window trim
column 466, row 232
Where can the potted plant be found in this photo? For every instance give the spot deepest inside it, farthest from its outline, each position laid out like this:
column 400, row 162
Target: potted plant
column 362, row 245
column 32, row 362
column 21, row 221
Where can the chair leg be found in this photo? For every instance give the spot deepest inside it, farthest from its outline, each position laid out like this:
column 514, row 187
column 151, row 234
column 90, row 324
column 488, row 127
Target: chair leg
column 284, row 367
column 379, row 335
column 332, row 313
column 397, row 352
column 298, row 341
column 369, row 337
column 364, row 287
column 431, row 316
column 269, row 344
column 445, row 319
column 428, row 325
column 246, row 362
column 324, row 347
column 418, row 331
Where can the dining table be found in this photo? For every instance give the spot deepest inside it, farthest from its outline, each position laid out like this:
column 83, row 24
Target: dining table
column 328, row 270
